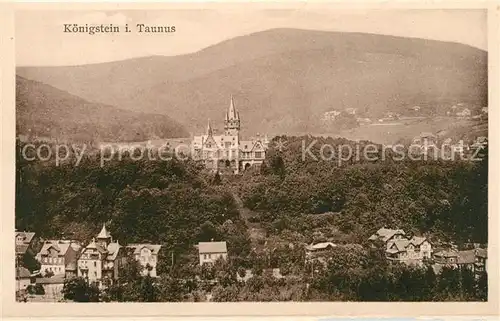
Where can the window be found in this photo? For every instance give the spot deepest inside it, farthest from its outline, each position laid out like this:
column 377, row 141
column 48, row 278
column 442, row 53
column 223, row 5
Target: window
column 95, row 263
column 258, row 154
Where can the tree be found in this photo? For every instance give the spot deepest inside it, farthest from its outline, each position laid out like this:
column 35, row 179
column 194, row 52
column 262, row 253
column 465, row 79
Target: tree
column 208, row 231
column 171, row 290
column 216, row 180
column 36, row 289
column 467, row 282
column 30, row 262
column 482, row 287
column 277, row 165
column 77, row 289
column 131, row 270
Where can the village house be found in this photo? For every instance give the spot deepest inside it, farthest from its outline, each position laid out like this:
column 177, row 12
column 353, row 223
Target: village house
column 414, row 250
column 147, row 255
column 446, row 257
column 402, row 249
column 248, row 274
column 475, row 259
column 314, row 250
column 481, row 256
column 25, row 242
column 209, row 252
column 350, row 111
column 330, row 115
column 101, row 260
column 23, row 279
column 464, row 113
column 59, row 257
column 386, row 235
column 52, row 287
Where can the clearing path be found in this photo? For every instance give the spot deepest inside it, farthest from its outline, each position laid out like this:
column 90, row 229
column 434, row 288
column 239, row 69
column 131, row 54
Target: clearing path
column 255, row 230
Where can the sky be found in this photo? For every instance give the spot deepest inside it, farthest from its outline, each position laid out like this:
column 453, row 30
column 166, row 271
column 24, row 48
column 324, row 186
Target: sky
column 41, row 41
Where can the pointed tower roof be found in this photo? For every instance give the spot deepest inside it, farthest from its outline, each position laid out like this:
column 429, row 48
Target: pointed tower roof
column 92, row 244
column 209, row 129
column 104, row 234
column 232, row 111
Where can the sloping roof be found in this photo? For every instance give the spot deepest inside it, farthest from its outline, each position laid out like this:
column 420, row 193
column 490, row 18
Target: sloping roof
column 417, row 240
column 212, row 247
column 113, row 249
column 27, row 236
column 482, row 253
column 60, row 246
column 400, row 245
column 23, row 273
column 385, row 234
column 466, row 257
column 104, row 234
column 56, row 279
column 320, row 246
column 446, row 253
column 154, row 248
column 98, row 247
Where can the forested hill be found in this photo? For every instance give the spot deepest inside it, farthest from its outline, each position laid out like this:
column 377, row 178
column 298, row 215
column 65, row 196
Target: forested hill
column 176, row 203
column 446, row 200
column 283, row 80
column 47, row 112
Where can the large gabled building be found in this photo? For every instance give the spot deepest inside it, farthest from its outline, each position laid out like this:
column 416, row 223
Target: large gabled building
column 228, row 151
column 101, row 259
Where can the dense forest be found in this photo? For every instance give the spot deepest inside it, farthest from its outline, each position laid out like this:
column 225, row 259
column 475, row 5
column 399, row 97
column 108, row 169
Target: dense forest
column 444, row 199
column 294, row 201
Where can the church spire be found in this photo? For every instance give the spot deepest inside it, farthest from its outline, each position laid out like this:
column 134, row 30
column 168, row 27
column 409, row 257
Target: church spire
column 209, row 129
column 232, row 110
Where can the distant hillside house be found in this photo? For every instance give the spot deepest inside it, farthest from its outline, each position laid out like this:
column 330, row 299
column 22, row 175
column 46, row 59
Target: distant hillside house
column 386, row 235
column 147, row 256
column 24, row 243
column 330, row 115
column 59, row 257
column 101, row 260
column 228, row 152
column 209, row 252
column 475, row 259
column 464, row 113
column 319, row 248
column 407, row 251
column 350, row 111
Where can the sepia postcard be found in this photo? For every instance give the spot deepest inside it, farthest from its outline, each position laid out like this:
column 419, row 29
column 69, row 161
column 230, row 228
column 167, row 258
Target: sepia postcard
column 225, row 159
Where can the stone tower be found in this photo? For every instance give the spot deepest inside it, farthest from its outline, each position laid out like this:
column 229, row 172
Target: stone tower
column 232, row 121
